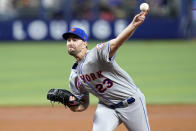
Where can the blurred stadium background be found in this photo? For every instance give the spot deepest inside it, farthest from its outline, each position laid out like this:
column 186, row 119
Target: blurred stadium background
column 161, row 55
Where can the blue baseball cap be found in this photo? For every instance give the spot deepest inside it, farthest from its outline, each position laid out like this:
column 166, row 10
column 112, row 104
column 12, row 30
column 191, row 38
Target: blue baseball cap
column 75, row 31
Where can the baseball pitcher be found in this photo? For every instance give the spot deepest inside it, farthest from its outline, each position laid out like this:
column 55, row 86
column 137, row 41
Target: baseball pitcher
column 96, row 71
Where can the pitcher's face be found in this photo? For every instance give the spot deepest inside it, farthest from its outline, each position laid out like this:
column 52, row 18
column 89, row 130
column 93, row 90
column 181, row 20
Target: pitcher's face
column 74, row 45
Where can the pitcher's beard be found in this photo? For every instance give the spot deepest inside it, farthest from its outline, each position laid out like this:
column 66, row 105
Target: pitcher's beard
column 72, row 52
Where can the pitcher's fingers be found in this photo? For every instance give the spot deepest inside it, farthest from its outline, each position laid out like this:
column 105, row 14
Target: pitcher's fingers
column 141, row 18
column 145, row 12
column 138, row 15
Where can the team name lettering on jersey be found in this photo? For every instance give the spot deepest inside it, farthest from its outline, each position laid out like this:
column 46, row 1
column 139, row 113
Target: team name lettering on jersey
column 91, row 76
column 101, row 87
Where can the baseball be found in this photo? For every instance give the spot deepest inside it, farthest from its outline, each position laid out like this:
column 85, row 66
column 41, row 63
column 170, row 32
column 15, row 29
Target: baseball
column 144, row 7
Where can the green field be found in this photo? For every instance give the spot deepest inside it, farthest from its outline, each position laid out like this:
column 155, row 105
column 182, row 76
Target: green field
column 164, row 70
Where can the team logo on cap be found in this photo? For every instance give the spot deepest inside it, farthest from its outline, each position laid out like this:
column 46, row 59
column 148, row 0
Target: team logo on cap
column 72, row 30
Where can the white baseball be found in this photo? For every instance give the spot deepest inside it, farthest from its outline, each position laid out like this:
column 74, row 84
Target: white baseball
column 144, row 7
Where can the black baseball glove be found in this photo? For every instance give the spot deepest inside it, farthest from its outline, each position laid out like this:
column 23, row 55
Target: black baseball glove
column 62, row 96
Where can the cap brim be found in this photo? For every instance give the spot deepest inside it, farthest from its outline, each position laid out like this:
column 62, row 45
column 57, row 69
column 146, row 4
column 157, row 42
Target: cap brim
column 66, row 35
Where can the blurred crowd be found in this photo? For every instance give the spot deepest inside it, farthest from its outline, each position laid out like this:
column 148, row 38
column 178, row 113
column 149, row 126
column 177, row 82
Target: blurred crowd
column 10, row 9
column 83, row 9
column 163, row 8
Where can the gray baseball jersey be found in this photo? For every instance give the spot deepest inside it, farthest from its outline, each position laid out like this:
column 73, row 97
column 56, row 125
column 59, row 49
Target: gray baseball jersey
column 103, row 77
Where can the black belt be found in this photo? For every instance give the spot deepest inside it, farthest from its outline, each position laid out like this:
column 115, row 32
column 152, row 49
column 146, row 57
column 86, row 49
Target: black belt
column 123, row 104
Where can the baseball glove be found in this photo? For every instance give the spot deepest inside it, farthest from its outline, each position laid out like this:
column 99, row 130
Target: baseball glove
column 62, row 96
